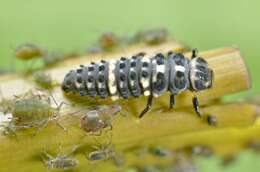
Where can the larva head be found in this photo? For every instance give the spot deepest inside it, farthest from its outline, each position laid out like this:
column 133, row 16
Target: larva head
column 201, row 76
column 68, row 84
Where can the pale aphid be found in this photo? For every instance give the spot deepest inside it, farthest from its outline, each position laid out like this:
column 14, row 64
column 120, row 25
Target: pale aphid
column 95, row 121
column 44, row 80
column 64, row 162
column 106, row 152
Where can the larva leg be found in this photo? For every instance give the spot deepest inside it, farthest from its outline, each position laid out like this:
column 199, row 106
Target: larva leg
column 194, row 53
column 148, row 107
column 172, row 101
column 195, row 101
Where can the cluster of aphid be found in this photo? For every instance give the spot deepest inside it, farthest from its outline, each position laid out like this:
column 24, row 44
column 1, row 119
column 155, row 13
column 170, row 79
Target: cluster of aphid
column 30, row 51
column 182, row 159
column 141, row 75
column 109, row 41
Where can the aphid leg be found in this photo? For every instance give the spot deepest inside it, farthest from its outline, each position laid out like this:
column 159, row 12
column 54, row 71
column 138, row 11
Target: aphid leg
column 61, row 126
column 148, row 107
column 195, row 101
column 194, row 53
column 172, row 101
column 41, row 126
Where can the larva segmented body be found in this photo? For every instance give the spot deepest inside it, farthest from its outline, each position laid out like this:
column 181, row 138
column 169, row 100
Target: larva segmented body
column 141, row 75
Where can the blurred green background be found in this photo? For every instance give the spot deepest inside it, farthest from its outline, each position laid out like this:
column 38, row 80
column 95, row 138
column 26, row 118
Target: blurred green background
column 74, row 25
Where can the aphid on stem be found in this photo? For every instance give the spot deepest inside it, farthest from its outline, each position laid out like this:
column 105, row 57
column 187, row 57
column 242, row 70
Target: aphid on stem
column 44, row 80
column 29, row 51
column 107, row 42
column 33, row 111
column 64, row 162
column 106, row 152
column 95, row 121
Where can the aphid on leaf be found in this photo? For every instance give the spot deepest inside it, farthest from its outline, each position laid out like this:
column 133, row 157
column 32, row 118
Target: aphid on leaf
column 44, row 80
column 96, row 120
column 106, row 152
column 29, row 51
column 64, row 162
column 33, row 111
column 152, row 37
column 140, row 75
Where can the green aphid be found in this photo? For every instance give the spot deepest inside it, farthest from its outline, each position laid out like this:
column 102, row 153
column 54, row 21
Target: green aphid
column 44, row 80
column 29, row 51
column 33, row 111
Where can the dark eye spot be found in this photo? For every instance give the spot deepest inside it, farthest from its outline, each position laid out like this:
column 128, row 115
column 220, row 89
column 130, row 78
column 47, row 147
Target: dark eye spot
column 160, row 61
column 133, row 75
column 79, row 79
column 179, row 74
column 102, row 90
column 179, row 59
column 122, row 65
column 92, row 63
column 202, row 76
column 101, row 68
column 201, row 68
column 201, row 61
column 103, row 61
column 68, row 82
column 180, row 83
column 133, row 64
column 101, row 78
column 134, row 57
column 145, row 74
column 122, row 77
column 79, row 70
column 91, row 68
column 199, row 85
column 90, row 79
column 145, row 64
column 160, row 82
column 160, row 55
column 123, row 58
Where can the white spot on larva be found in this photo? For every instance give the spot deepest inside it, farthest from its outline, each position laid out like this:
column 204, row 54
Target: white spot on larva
column 114, row 98
column 145, row 83
column 155, row 95
column 160, row 68
column 147, row 93
column 180, row 68
column 113, row 89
